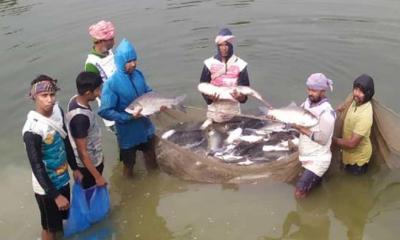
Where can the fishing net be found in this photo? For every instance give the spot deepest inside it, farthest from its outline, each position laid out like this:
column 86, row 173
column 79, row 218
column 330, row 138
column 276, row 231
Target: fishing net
column 187, row 165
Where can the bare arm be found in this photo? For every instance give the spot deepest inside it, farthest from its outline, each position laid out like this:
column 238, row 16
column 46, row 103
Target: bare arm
column 81, row 144
column 351, row 143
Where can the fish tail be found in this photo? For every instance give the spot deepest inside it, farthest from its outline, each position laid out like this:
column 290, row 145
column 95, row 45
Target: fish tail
column 181, row 108
column 178, row 103
column 179, row 99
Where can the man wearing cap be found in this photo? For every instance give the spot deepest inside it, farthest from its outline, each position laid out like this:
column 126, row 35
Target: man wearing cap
column 227, row 70
column 101, row 59
column 355, row 141
column 314, row 143
column 49, row 152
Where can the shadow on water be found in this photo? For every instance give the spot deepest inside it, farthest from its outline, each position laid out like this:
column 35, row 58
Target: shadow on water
column 310, row 219
column 351, row 199
column 355, row 201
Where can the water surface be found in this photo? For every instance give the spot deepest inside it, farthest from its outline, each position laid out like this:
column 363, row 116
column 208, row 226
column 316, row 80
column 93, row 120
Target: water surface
column 283, row 42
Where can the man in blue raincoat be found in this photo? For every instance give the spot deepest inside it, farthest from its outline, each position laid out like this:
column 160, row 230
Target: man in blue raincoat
column 134, row 131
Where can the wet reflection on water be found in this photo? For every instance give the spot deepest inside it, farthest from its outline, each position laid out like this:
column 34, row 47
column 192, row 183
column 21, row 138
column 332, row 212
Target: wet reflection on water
column 309, row 220
column 136, row 203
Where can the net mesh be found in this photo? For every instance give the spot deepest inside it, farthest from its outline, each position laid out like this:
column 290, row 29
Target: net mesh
column 188, row 165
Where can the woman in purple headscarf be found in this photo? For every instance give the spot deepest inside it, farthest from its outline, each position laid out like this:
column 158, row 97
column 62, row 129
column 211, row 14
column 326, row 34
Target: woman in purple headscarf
column 227, row 70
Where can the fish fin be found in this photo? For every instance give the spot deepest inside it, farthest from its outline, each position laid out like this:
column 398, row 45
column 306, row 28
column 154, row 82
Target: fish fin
column 177, row 102
column 264, row 110
column 128, row 110
column 168, row 134
column 181, row 108
column 179, row 99
column 206, row 124
column 292, row 104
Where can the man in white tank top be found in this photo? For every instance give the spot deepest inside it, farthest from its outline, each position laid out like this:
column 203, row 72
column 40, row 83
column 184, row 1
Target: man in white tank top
column 314, row 145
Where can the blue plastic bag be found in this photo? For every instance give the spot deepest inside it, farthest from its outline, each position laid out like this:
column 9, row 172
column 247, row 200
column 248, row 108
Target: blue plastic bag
column 77, row 219
column 99, row 205
column 87, row 206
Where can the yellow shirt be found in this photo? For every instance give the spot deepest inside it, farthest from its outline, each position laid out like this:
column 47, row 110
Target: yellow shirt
column 358, row 120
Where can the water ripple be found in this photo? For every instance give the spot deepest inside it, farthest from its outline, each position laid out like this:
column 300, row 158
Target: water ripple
column 239, row 23
column 184, row 4
column 11, row 8
column 239, row 3
column 13, row 31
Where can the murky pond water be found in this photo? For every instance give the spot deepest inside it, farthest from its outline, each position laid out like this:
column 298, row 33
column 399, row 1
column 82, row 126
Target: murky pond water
column 283, row 42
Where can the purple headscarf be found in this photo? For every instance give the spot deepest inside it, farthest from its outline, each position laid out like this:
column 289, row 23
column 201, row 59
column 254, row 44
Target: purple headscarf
column 319, row 81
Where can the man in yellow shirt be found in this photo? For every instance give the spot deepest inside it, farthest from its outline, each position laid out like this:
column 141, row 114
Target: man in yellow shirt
column 355, row 141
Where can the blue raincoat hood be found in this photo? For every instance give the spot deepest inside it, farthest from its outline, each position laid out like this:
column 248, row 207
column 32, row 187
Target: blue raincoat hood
column 118, row 92
column 124, row 53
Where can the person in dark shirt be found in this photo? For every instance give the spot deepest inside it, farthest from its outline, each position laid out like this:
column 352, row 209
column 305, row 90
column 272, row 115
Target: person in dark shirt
column 49, row 152
column 85, row 131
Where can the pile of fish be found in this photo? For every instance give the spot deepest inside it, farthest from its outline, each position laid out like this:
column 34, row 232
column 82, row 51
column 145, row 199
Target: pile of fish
column 243, row 140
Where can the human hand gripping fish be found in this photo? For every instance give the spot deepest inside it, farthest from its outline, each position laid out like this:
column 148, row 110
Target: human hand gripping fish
column 138, row 113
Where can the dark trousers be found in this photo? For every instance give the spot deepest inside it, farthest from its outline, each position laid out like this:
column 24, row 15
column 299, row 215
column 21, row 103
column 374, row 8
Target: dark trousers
column 355, row 169
column 128, row 156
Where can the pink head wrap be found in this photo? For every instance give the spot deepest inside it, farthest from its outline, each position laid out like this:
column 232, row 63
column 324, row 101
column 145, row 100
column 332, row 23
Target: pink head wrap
column 225, row 35
column 102, row 30
column 319, row 81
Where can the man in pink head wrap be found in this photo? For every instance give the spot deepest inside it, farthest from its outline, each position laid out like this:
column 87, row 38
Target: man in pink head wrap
column 314, row 143
column 101, row 59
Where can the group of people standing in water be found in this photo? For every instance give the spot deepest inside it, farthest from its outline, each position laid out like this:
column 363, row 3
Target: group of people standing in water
column 225, row 69
column 55, row 139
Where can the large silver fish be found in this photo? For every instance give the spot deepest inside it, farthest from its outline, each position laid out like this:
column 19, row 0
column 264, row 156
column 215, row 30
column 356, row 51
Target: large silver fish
column 151, row 102
column 292, row 114
column 225, row 93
